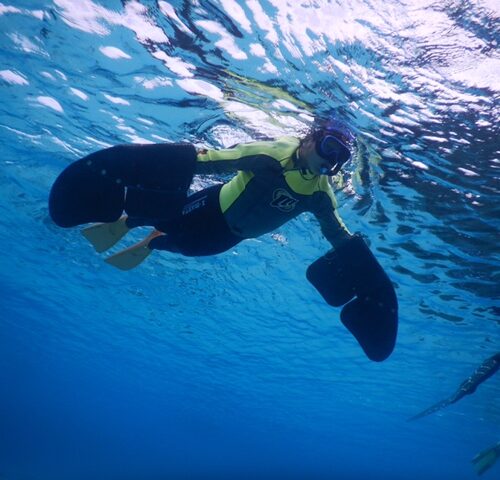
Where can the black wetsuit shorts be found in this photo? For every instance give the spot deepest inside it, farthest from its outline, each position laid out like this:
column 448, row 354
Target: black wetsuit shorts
column 201, row 228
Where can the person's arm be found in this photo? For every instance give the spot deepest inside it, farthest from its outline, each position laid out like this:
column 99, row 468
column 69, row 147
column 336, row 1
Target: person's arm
column 331, row 224
column 255, row 156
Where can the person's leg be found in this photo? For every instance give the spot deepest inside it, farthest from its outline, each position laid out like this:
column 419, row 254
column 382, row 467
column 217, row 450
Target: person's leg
column 134, row 222
column 201, row 229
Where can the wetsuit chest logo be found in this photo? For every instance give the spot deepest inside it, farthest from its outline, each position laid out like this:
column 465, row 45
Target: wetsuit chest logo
column 283, row 201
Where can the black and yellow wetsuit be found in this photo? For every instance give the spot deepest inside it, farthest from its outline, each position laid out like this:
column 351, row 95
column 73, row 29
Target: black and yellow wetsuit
column 267, row 191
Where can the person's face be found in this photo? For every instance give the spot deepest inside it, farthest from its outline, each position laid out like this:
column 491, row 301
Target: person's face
column 311, row 159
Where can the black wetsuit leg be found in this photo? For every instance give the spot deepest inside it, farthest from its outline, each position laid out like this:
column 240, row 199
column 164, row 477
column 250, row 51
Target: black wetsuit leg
column 201, row 229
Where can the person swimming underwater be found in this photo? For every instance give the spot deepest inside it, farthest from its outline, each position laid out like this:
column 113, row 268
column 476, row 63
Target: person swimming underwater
column 487, row 369
column 128, row 186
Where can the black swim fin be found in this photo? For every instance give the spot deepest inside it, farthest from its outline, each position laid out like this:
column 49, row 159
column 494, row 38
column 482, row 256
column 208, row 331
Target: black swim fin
column 351, row 275
column 81, row 195
column 92, row 189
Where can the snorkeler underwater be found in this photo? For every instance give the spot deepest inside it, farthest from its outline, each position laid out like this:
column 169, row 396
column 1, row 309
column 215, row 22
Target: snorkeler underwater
column 150, row 183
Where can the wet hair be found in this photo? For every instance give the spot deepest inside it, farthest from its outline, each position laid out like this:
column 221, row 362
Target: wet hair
column 331, row 126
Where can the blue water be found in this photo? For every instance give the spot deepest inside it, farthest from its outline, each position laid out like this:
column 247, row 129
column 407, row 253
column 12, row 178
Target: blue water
column 232, row 366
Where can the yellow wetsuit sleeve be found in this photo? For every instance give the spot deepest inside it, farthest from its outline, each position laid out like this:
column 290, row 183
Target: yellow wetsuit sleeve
column 325, row 210
column 255, row 156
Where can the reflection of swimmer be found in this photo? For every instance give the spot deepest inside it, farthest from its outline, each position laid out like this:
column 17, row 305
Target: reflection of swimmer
column 488, row 368
column 273, row 182
column 486, row 459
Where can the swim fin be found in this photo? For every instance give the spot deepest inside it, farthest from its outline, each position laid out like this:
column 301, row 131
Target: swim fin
column 351, row 275
column 133, row 256
column 486, row 459
column 434, row 408
column 103, row 236
column 92, row 189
